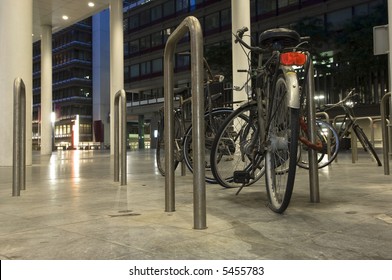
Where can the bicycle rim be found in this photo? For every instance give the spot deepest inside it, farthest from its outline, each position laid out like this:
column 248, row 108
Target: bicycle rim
column 160, row 151
column 281, row 155
column 212, row 124
column 327, row 136
column 231, row 151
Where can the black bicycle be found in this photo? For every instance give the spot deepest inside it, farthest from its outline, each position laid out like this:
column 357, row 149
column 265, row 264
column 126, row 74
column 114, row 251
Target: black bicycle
column 348, row 123
column 214, row 117
column 264, row 131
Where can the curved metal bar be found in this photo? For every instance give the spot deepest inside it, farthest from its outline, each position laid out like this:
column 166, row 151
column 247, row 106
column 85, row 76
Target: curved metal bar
column 386, row 133
column 192, row 25
column 313, row 164
column 120, row 139
column 19, row 138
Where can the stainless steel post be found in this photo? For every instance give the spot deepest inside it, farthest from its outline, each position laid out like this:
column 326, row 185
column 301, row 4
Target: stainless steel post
column 313, row 164
column 120, row 143
column 19, row 138
column 192, row 25
column 386, row 134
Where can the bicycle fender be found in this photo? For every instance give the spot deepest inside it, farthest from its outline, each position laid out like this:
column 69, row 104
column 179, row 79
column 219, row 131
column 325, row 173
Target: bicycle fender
column 293, row 93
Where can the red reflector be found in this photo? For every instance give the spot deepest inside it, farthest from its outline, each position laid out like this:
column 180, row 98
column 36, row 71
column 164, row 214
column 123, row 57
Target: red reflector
column 292, row 58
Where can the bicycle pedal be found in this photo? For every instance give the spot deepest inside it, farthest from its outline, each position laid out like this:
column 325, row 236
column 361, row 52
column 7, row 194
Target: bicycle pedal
column 241, row 177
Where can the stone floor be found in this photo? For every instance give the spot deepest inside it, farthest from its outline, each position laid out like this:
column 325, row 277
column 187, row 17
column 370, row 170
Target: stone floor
column 72, row 209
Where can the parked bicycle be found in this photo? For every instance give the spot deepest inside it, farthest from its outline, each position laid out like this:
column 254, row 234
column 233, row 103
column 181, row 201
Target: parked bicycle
column 214, row 117
column 343, row 130
column 266, row 128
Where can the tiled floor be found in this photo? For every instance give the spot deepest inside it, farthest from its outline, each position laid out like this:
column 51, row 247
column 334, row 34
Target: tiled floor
column 72, row 209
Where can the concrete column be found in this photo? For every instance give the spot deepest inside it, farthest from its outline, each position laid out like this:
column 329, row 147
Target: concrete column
column 101, row 71
column 16, row 25
column 240, row 17
column 46, row 90
column 116, row 58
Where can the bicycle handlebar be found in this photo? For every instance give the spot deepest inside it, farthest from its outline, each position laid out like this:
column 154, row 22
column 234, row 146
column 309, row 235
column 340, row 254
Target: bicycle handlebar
column 238, row 38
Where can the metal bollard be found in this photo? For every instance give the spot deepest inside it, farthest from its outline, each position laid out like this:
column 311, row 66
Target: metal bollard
column 120, row 138
column 19, row 138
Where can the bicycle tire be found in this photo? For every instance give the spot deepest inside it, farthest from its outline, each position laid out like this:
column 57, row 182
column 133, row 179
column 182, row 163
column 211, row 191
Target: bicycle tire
column 160, row 149
column 323, row 131
column 366, row 143
column 282, row 146
column 213, row 121
column 229, row 149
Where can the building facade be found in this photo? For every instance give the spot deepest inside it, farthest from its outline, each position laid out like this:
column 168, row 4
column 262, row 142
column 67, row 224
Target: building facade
column 148, row 24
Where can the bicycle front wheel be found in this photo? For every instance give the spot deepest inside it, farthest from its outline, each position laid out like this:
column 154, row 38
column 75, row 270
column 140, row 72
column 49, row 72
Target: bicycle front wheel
column 282, row 146
column 213, row 121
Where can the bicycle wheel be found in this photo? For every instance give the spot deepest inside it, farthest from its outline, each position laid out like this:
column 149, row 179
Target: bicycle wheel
column 326, row 136
column 160, row 151
column 235, row 160
column 213, row 122
column 282, row 146
column 366, row 143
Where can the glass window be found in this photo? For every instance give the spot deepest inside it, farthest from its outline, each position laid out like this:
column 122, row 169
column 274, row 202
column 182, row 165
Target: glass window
column 157, row 65
column 134, row 46
column 168, row 8
column 183, row 61
column 181, row 5
column 226, row 17
column 145, row 68
column 135, row 71
column 156, row 12
column 361, row 10
column 145, row 17
column 265, row 6
column 166, row 34
column 145, row 43
column 134, row 21
column 156, row 39
column 211, row 22
column 336, row 20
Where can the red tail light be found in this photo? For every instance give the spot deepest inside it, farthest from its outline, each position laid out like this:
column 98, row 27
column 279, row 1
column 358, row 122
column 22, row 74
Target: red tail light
column 293, row 58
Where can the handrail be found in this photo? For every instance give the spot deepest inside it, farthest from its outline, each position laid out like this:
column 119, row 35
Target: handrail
column 120, row 139
column 192, row 25
column 19, row 138
column 386, row 131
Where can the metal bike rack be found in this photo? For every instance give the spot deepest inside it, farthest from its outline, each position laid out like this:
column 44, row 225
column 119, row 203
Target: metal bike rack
column 192, row 25
column 313, row 164
column 386, row 131
column 19, row 138
column 120, row 161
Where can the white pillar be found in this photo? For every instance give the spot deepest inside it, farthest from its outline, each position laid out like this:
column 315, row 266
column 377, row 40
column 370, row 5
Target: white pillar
column 46, row 90
column 16, row 25
column 101, row 71
column 116, row 58
column 240, row 17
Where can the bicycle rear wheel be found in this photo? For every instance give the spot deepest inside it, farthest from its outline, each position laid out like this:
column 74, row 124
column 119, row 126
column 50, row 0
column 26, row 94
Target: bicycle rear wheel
column 213, row 122
column 234, row 150
column 366, row 143
column 282, row 146
column 326, row 137
column 160, row 151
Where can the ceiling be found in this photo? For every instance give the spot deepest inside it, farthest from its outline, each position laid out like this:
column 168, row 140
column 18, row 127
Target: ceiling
column 50, row 12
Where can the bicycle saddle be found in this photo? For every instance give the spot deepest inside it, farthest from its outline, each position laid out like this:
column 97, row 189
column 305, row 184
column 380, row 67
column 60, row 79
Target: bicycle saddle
column 279, row 36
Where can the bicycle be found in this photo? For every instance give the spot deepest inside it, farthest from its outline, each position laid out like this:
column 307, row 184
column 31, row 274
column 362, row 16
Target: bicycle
column 349, row 124
column 266, row 128
column 183, row 125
